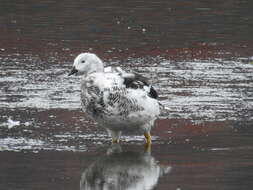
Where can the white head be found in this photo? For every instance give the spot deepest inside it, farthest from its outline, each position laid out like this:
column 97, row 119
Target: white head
column 86, row 63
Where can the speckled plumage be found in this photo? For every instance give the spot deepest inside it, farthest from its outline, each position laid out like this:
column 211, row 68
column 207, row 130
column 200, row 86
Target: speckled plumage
column 106, row 98
column 117, row 100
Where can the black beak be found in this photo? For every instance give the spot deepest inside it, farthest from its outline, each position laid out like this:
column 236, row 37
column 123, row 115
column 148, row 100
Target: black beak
column 73, row 71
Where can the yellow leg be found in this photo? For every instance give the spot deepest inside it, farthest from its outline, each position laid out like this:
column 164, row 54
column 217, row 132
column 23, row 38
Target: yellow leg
column 148, row 142
column 115, row 135
column 148, row 138
column 115, row 141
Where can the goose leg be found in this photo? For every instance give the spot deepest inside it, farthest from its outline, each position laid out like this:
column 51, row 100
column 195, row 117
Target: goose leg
column 148, row 142
column 115, row 135
column 148, row 137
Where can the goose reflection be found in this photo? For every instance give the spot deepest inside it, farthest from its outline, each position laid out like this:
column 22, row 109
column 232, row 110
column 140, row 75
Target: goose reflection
column 119, row 170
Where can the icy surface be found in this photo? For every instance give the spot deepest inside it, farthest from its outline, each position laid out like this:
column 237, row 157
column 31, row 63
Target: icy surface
column 211, row 90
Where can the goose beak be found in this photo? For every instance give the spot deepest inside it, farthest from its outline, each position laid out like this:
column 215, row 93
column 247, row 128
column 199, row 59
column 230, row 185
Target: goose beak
column 73, row 71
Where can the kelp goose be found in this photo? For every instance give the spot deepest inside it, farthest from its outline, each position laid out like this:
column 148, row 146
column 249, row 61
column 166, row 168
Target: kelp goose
column 115, row 99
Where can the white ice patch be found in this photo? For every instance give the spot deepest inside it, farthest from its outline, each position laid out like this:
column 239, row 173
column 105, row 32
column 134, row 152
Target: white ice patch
column 27, row 144
column 10, row 123
column 17, row 144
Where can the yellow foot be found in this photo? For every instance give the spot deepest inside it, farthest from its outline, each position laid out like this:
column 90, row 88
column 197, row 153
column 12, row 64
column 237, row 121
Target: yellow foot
column 115, row 141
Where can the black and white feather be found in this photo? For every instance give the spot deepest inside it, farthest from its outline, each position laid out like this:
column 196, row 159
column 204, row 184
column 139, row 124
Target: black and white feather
column 116, row 99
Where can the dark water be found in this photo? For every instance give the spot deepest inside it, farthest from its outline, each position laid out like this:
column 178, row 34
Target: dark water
column 197, row 54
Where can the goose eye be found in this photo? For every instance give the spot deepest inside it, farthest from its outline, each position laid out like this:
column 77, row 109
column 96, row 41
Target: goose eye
column 82, row 61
